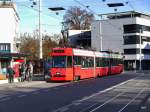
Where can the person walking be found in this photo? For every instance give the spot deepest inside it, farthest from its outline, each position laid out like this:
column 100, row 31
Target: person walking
column 10, row 73
column 30, row 71
column 23, row 72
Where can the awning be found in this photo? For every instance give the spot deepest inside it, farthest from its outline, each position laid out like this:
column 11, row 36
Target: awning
column 20, row 60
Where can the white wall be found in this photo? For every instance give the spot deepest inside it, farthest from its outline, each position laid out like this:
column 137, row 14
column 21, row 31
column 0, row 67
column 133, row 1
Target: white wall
column 8, row 26
column 112, row 33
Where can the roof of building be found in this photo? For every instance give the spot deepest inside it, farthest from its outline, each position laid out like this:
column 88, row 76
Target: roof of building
column 127, row 14
column 9, row 4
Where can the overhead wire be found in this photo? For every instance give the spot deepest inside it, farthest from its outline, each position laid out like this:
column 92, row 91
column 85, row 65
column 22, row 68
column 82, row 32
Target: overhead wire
column 37, row 10
column 96, row 14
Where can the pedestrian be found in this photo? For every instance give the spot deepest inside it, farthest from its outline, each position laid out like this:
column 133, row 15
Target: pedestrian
column 30, row 71
column 10, row 73
column 23, row 72
column 20, row 74
column 27, row 69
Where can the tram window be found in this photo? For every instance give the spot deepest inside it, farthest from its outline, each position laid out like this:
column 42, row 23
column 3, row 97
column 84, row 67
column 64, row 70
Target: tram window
column 69, row 61
column 106, row 62
column 97, row 62
column 59, row 61
column 87, row 62
column 102, row 62
column 90, row 62
column 77, row 60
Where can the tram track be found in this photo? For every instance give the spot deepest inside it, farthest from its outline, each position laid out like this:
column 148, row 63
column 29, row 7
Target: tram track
column 125, row 93
column 98, row 107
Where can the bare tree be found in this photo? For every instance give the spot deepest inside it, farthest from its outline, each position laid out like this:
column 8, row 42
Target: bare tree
column 48, row 44
column 30, row 45
column 78, row 19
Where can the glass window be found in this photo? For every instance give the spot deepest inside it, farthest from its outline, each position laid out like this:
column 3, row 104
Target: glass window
column 134, row 39
column 59, row 61
column 77, row 60
column 97, row 62
column 132, row 28
column 131, row 51
column 69, row 61
column 146, row 51
column 87, row 62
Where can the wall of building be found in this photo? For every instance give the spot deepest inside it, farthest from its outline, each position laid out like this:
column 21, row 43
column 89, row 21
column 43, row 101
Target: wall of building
column 111, row 32
column 9, row 31
column 9, row 28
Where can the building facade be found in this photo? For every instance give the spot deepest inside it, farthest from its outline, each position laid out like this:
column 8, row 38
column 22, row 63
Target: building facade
column 80, row 38
column 9, row 33
column 125, row 32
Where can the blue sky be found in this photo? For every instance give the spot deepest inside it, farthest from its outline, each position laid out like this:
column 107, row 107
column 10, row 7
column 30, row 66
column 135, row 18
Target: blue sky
column 51, row 23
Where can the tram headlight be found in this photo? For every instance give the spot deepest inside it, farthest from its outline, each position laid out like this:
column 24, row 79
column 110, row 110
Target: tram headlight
column 57, row 73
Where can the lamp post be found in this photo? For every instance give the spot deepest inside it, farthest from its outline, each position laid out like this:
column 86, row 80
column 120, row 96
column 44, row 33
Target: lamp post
column 40, row 35
column 58, row 9
column 39, row 25
column 140, row 57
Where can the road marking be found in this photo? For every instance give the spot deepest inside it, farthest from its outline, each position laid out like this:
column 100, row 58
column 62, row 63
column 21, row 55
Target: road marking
column 22, row 96
column 105, row 90
column 5, row 99
column 103, row 103
column 46, row 90
column 100, row 92
column 37, row 92
column 132, row 100
column 143, row 107
column 64, row 109
column 3, row 96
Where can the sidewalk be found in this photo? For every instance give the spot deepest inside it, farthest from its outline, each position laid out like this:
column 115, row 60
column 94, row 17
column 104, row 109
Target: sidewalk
column 22, row 84
column 36, row 79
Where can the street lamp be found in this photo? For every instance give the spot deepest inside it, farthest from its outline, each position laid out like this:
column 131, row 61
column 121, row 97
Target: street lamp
column 40, row 35
column 39, row 21
column 58, row 9
column 115, row 5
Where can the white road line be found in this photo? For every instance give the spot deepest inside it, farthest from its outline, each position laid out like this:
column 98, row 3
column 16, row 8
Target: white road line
column 104, row 103
column 5, row 99
column 3, row 96
column 22, row 96
column 105, row 90
column 132, row 100
column 37, row 92
column 46, row 90
column 86, row 98
column 64, row 109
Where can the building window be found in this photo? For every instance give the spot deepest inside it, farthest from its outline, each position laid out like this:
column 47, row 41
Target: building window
column 134, row 39
column 146, row 51
column 132, row 28
column 131, row 51
column 146, row 39
column 4, row 47
column 135, row 28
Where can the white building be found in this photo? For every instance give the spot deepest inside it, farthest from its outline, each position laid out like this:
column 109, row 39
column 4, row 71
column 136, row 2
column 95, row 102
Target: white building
column 80, row 38
column 126, row 32
column 9, row 27
column 9, row 33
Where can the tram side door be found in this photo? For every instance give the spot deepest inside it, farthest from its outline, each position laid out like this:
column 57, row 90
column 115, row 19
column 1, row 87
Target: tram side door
column 69, row 68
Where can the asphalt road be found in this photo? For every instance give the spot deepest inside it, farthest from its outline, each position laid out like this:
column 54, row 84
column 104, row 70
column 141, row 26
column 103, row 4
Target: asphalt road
column 118, row 93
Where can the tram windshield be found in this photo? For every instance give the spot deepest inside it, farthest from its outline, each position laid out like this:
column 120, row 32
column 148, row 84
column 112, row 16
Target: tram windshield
column 59, row 61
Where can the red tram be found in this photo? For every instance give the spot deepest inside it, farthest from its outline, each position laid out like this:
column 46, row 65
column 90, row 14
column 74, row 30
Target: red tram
column 70, row 64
